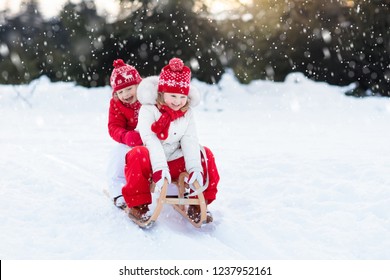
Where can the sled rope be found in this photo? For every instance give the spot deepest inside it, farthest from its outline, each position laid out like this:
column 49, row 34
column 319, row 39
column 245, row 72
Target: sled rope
column 201, row 189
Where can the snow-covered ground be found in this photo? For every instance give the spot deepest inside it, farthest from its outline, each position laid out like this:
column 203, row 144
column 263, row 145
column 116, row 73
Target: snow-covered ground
column 305, row 174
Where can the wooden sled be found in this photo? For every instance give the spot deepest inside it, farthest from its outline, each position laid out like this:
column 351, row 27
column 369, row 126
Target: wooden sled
column 180, row 203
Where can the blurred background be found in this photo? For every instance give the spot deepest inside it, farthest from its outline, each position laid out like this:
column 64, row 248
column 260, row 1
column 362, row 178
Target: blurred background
column 336, row 41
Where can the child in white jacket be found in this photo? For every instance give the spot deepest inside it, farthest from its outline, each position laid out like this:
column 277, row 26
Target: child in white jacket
column 167, row 128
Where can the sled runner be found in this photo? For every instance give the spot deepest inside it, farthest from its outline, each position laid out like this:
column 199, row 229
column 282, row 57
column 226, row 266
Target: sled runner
column 179, row 202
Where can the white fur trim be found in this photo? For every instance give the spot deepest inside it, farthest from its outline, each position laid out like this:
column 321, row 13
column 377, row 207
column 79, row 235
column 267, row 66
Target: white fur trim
column 147, row 92
column 194, row 96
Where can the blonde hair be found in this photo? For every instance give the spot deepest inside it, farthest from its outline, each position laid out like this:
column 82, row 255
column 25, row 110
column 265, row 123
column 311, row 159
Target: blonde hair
column 115, row 96
column 160, row 101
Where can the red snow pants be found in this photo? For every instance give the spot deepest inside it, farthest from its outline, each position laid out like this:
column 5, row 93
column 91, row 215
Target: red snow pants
column 138, row 173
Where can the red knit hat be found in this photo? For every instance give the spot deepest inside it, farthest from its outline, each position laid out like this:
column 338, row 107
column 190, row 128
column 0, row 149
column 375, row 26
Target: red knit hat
column 123, row 75
column 175, row 77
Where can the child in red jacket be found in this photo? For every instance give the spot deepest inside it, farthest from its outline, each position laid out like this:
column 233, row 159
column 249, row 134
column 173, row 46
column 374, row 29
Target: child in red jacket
column 122, row 120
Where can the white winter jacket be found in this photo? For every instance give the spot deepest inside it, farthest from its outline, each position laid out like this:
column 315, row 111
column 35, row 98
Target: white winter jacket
column 182, row 137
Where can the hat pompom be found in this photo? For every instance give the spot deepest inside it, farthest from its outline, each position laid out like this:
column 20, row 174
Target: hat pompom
column 176, row 64
column 118, row 63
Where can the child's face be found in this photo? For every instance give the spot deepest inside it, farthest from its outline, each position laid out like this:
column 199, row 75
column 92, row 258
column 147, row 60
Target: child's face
column 175, row 101
column 128, row 94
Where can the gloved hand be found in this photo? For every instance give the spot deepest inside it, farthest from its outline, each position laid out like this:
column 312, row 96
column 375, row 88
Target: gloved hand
column 158, row 178
column 132, row 138
column 195, row 175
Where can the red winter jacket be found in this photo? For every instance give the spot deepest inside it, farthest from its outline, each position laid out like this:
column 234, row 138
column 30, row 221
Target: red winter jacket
column 122, row 120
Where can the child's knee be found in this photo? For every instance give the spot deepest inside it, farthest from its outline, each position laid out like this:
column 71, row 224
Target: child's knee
column 138, row 151
column 208, row 152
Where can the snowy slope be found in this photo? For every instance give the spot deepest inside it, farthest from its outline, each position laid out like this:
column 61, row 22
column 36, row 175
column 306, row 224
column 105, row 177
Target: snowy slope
column 305, row 174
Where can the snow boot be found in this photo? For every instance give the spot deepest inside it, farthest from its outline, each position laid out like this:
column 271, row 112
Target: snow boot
column 139, row 213
column 193, row 213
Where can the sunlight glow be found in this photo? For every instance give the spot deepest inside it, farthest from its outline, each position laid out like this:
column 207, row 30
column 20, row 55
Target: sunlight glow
column 219, row 6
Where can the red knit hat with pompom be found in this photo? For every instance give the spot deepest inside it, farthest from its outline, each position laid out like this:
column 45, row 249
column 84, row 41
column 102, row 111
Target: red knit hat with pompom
column 175, row 77
column 123, row 75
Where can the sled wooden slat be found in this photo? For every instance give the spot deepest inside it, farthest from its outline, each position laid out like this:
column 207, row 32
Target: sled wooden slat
column 181, row 201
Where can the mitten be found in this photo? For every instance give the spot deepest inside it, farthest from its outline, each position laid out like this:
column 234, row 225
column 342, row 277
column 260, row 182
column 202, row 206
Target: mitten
column 132, row 138
column 195, row 175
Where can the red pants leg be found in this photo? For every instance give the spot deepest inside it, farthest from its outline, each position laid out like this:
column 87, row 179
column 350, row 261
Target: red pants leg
column 138, row 172
column 211, row 192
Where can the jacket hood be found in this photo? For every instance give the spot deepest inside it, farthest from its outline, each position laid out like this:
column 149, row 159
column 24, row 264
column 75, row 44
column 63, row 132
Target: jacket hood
column 147, row 92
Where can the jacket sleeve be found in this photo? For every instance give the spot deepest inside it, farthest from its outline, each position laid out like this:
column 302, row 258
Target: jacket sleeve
column 190, row 146
column 117, row 127
column 147, row 116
